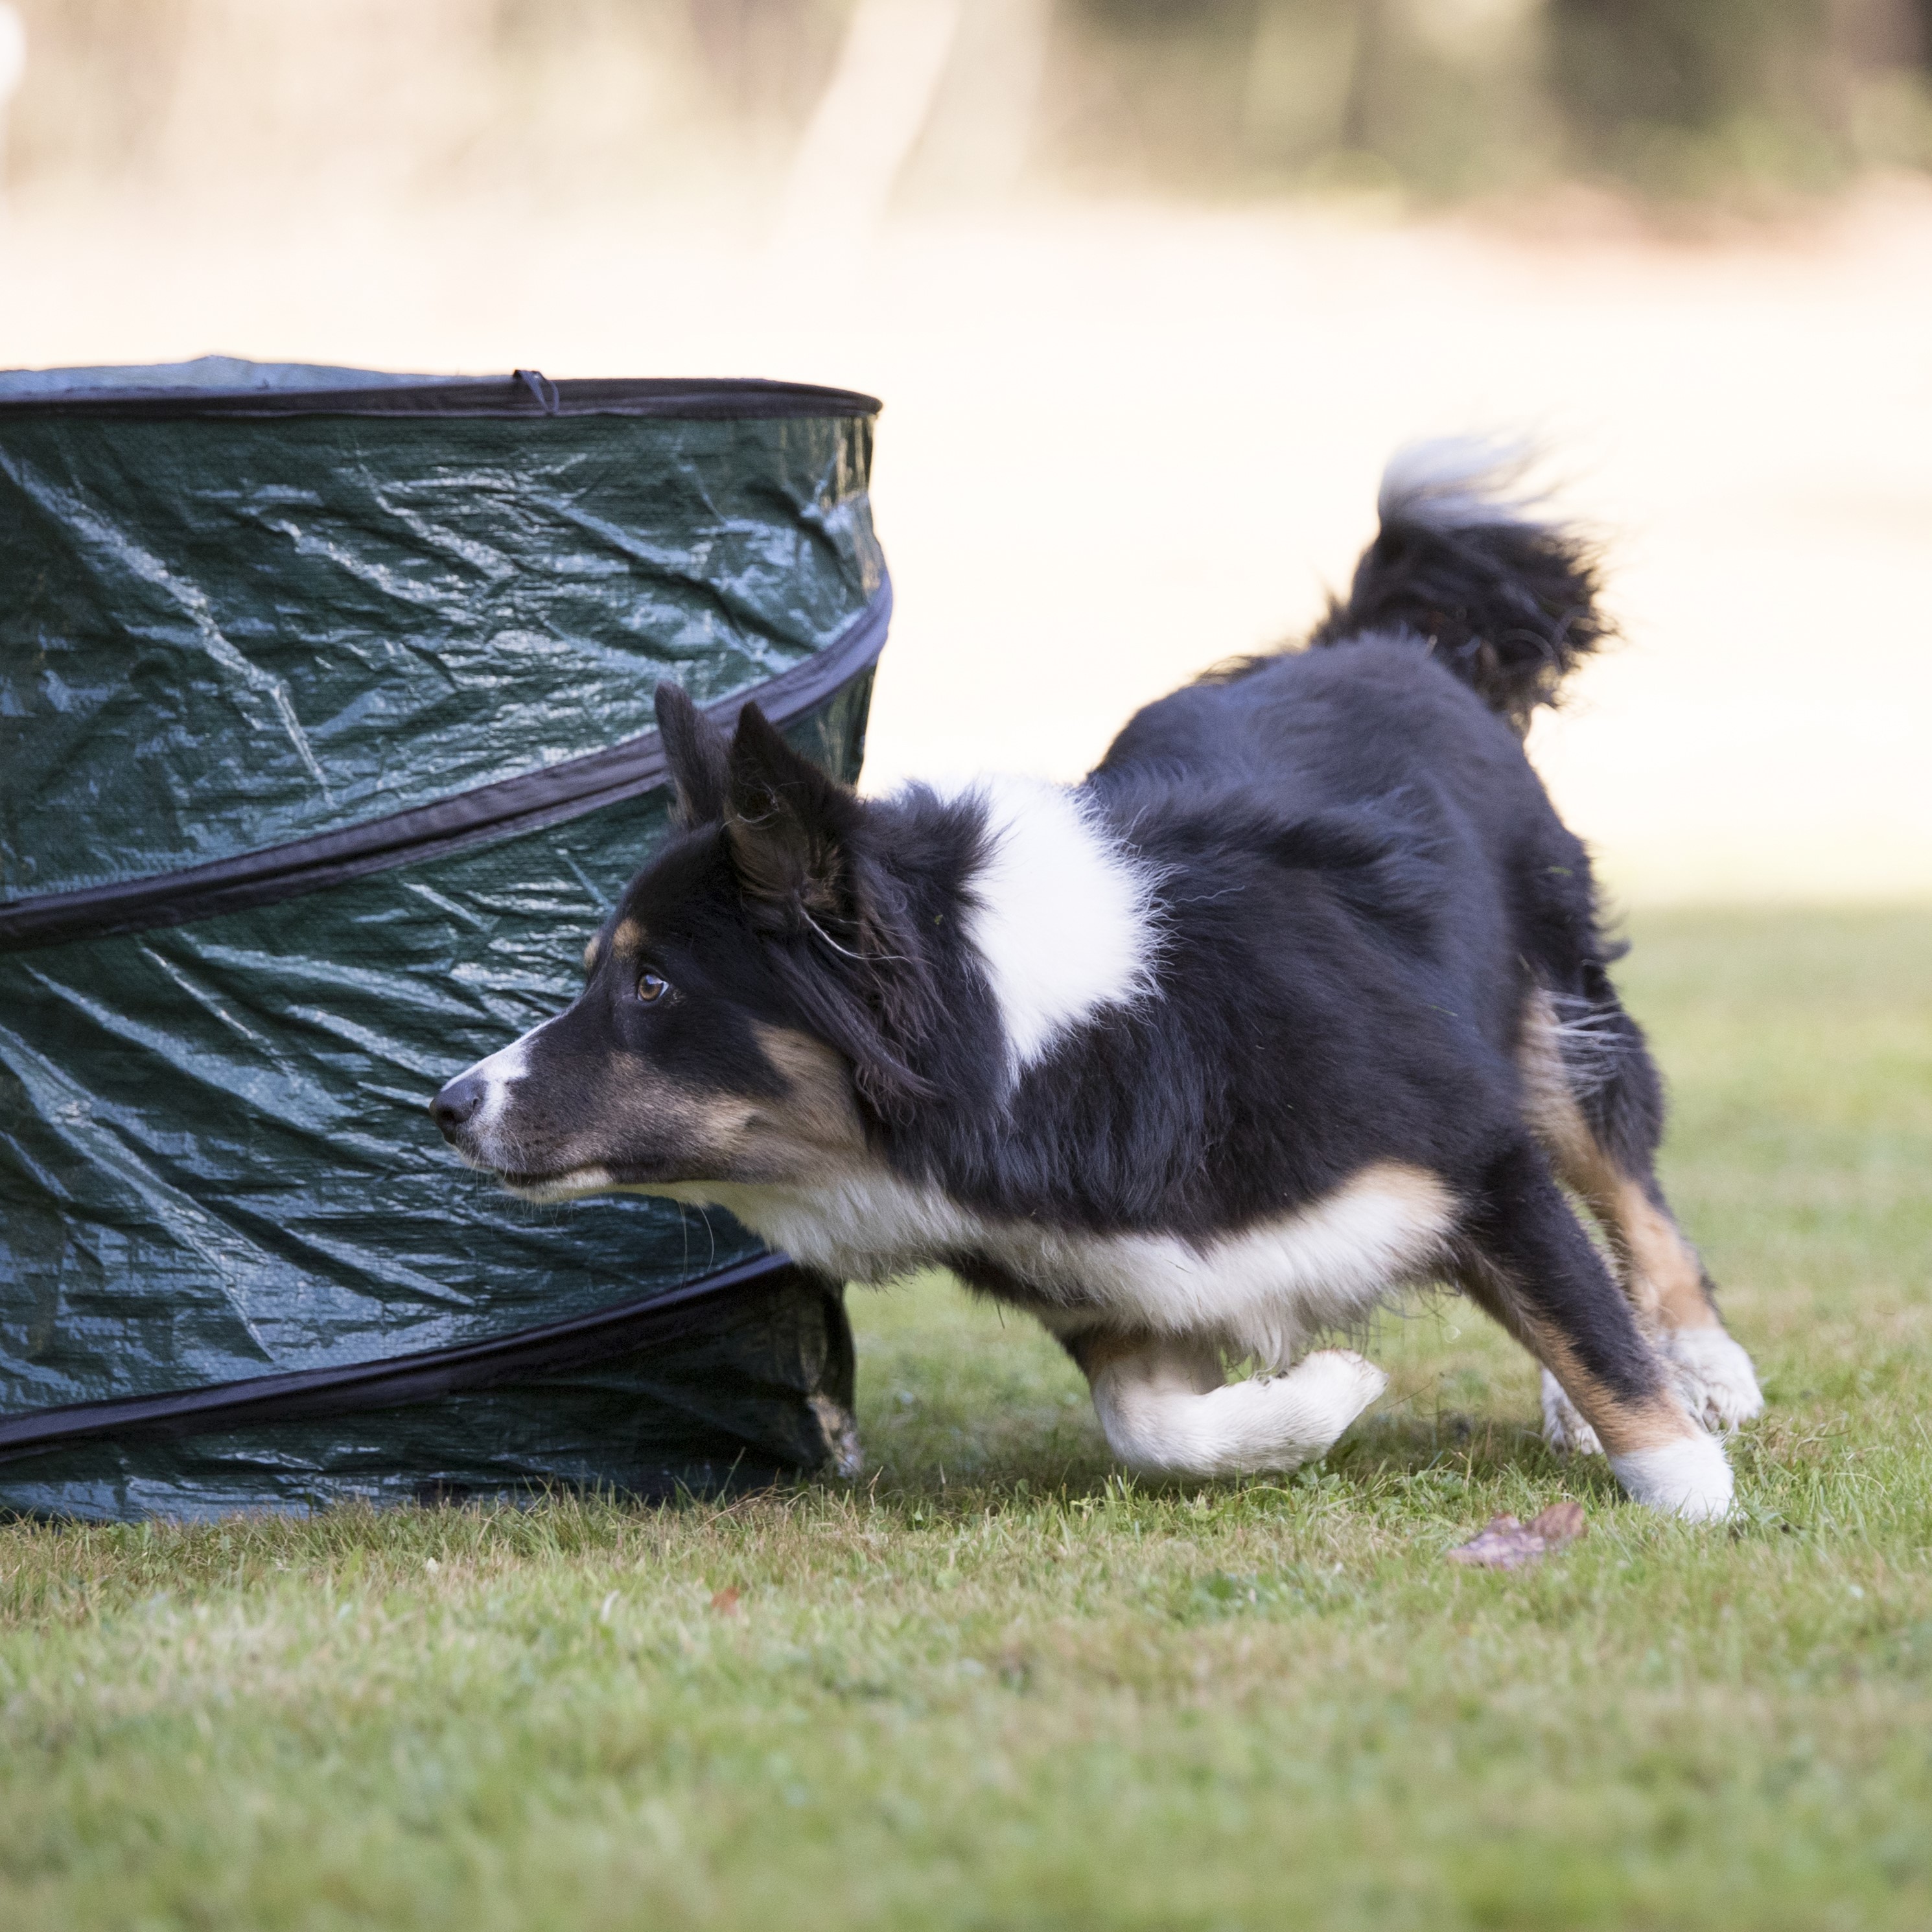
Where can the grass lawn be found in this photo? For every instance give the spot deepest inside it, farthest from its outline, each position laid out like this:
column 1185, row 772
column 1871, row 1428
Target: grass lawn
column 993, row 1686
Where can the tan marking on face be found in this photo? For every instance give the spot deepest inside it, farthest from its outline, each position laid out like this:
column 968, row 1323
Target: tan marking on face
column 703, row 1128
column 593, row 947
column 628, row 941
column 1658, row 1269
column 815, row 1132
column 714, row 1120
column 810, row 1135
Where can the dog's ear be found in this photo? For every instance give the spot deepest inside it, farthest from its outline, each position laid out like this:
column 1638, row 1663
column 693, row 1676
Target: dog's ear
column 695, row 753
column 786, row 823
column 796, row 839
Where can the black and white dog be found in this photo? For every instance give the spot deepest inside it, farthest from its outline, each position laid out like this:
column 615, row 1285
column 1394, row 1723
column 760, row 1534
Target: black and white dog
column 1298, row 999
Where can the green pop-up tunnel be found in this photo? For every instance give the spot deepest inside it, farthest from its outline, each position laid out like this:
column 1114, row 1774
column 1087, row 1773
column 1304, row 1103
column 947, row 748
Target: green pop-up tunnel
column 325, row 740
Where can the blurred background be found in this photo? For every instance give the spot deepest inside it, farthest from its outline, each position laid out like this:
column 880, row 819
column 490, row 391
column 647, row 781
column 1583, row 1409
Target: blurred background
column 1150, row 290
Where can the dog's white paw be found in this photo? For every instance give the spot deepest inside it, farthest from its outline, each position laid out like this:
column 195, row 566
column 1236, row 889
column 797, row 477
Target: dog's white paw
column 1719, row 1383
column 1564, row 1428
column 1691, row 1478
column 1278, row 1422
column 1335, row 1383
column 1156, row 1416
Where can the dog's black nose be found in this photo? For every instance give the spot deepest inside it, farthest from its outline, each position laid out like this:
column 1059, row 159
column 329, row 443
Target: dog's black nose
column 457, row 1103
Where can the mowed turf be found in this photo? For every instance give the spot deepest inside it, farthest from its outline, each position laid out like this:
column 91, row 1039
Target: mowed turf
column 991, row 1685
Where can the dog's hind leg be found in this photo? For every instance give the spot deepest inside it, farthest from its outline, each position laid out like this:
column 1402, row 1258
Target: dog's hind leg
column 1529, row 1262
column 1596, row 1105
column 1165, row 1408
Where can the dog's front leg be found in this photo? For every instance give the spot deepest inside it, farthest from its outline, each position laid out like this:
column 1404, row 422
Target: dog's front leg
column 1166, row 1409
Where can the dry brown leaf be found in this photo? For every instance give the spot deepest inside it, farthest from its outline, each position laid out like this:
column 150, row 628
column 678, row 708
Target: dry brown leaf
column 1506, row 1543
column 1560, row 1523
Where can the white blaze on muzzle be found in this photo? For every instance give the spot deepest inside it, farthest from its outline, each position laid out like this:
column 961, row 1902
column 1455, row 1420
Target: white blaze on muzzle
column 499, row 1072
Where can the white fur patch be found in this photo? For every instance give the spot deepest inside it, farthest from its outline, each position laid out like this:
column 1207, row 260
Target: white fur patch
column 1062, row 921
column 1459, row 482
column 1165, row 1409
column 1262, row 1292
column 580, row 1184
column 499, row 1072
column 1715, row 1374
column 1691, row 1478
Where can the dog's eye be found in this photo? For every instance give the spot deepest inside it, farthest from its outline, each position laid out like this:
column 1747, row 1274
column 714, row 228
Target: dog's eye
column 651, row 987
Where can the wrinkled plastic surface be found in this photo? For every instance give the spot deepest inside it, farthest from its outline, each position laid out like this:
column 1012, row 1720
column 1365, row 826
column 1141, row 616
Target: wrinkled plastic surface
column 214, row 1160
column 221, row 635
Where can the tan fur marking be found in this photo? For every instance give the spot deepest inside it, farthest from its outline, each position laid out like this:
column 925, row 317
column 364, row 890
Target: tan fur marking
column 1094, row 1349
column 1661, row 1260
column 808, row 1136
column 1622, row 1425
column 718, row 1120
column 593, row 947
column 817, row 1123
column 1554, row 1115
column 628, row 941
column 1417, row 1189
column 703, row 1126
column 1657, row 1267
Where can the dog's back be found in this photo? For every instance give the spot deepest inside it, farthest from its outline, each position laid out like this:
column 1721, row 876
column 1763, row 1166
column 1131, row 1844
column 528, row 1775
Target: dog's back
column 1399, row 730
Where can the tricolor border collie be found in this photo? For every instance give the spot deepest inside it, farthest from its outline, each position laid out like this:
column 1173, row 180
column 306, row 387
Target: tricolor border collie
column 1299, row 999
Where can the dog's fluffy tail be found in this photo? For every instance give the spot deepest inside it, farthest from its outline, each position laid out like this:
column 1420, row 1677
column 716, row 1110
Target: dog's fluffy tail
column 1503, row 594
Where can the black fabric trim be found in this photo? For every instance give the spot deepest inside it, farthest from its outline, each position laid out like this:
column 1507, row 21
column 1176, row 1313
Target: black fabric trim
column 311, row 1394
column 527, row 392
column 525, row 803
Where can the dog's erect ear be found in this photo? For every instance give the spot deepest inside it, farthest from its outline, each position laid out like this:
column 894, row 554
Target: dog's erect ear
column 695, row 752
column 786, row 822
column 796, row 840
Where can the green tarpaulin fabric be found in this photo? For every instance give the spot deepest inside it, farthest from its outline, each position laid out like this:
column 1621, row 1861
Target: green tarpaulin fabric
column 283, row 612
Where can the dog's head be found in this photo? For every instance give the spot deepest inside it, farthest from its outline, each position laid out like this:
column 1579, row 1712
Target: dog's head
column 744, row 1010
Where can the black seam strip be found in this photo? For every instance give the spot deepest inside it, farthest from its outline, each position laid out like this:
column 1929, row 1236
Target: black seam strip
column 525, row 803
column 697, row 399
column 312, row 1394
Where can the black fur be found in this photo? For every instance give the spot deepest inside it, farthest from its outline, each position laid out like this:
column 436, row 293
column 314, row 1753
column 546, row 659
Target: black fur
column 700, row 768
column 1361, row 884
column 1531, row 1266
column 1509, row 606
